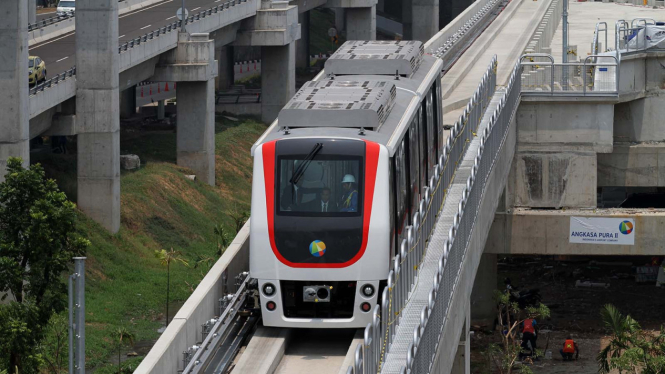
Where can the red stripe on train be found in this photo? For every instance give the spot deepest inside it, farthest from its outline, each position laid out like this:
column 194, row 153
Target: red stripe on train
column 371, row 167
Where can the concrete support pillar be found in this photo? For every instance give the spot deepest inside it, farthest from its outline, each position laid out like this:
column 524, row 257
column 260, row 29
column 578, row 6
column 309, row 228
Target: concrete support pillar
column 161, row 109
column 15, row 118
column 97, row 117
column 196, row 128
column 278, row 79
column 128, row 102
column 224, row 57
column 302, row 45
column 425, row 18
column 361, row 23
column 462, row 364
column 407, row 19
column 339, row 19
column 32, row 11
column 482, row 295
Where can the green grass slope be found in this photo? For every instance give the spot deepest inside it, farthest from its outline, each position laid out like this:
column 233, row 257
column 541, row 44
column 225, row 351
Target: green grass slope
column 126, row 285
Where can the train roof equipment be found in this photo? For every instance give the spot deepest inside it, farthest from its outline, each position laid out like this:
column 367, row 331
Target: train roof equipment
column 376, row 86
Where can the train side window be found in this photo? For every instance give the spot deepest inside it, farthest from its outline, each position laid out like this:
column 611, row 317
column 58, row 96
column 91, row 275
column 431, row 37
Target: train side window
column 431, row 138
column 413, row 163
column 400, row 192
column 422, row 114
column 439, row 114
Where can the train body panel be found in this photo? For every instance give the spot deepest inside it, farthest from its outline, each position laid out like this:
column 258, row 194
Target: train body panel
column 335, row 184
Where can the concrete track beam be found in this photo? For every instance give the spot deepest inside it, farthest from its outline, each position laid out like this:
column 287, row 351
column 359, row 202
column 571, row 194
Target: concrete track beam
column 15, row 119
column 97, row 117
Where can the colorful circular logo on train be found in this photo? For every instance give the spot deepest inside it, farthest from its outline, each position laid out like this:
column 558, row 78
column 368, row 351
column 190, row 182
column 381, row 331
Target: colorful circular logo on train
column 317, row 248
column 626, row 227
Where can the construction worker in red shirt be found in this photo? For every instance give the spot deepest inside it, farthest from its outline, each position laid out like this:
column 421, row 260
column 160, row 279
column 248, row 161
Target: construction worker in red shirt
column 569, row 348
column 529, row 335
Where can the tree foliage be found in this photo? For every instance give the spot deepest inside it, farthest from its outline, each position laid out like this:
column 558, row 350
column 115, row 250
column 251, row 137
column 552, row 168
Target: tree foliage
column 37, row 242
column 122, row 337
column 504, row 356
column 630, row 349
column 166, row 258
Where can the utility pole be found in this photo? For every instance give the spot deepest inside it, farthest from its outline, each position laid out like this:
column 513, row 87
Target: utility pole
column 184, row 16
column 565, row 31
column 77, row 318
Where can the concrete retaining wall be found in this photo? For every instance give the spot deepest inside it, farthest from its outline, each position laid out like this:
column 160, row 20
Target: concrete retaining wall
column 546, row 232
column 633, row 165
column 165, row 357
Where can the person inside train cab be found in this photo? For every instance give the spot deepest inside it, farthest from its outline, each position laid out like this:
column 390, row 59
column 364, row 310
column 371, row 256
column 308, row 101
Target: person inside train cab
column 349, row 201
column 323, row 204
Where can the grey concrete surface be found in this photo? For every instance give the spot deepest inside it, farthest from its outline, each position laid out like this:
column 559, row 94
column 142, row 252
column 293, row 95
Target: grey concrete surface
column 320, row 351
column 196, row 128
column 462, row 363
column 32, row 11
column 264, row 351
column 14, row 123
column 361, row 23
column 165, row 357
column 302, row 45
column 193, row 67
column 551, row 179
column 483, row 307
column 225, row 73
column 640, row 120
column 128, row 102
column 97, row 119
column 506, row 38
column 425, row 15
column 546, row 232
column 278, row 79
column 351, row 352
column 633, row 165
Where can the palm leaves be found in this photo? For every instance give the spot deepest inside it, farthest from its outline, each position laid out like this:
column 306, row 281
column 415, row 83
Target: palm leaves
column 630, row 348
column 166, row 258
column 122, row 337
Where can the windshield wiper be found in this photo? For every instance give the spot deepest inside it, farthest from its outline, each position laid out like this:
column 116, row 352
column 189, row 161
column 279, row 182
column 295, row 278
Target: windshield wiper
column 300, row 171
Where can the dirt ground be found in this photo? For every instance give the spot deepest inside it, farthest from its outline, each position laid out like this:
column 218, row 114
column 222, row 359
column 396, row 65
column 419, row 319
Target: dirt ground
column 575, row 311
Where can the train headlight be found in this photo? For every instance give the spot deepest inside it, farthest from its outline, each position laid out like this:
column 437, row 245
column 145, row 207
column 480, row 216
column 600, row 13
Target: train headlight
column 269, row 289
column 368, row 290
column 365, row 307
column 270, row 305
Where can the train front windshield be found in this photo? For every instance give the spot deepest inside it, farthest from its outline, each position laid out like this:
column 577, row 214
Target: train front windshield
column 323, row 186
column 319, row 193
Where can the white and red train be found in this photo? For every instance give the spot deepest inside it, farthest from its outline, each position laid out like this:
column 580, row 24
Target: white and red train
column 337, row 179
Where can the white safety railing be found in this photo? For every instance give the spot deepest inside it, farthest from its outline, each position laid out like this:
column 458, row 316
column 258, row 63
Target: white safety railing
column 595, row 47
column 632, row 37
column 595, row 76
column 140, row 40
column 427, row 334
column 403, row 278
